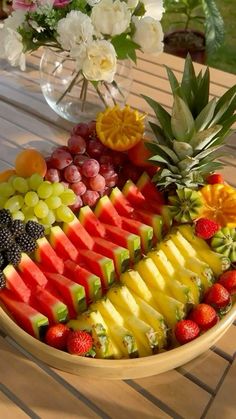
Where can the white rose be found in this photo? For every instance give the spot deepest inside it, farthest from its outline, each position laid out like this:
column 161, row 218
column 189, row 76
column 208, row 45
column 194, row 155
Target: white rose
column 12, row 47
column 75, row 28
column 148, row 34
column 111, row 18
column 15, row 20
column 93, row 2
column 154, row 8
column 100, row 62
column 132, row 4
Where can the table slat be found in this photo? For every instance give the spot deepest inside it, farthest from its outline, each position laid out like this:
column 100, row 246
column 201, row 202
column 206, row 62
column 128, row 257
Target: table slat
column 9, row 410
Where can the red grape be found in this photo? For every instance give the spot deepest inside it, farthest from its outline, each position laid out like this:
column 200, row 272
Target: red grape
column 90, row 168
column 81, row 129
column 106, row 159
column 72, row 174
column 77, row 144
column 92, row 128
column 112, row 180
column 79, row 159
column 119, row 158
column 106, row 169
column 77, row 205
column 79, row 188
column 97, row 183
column 95, row 148
column 61, row 159
column 90, row 197
column 65, row 184
column 53, row 175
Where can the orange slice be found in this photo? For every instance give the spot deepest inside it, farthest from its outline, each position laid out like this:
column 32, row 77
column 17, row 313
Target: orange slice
column 120, row 129
column 219, row 204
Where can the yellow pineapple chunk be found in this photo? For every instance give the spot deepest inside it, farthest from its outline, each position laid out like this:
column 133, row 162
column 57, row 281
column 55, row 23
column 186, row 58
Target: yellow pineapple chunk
column 151, row 275
column 134, row 282
column 172, row 309
column 143, row 333
column 120, row 296
column 172, row 253
column 192, row 281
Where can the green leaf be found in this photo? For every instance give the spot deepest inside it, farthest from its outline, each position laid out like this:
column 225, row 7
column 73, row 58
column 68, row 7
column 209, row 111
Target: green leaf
column 159, row 133
column 214, row 26
column 225, row 106
column 203, row 91
column 202, row 138
column 140, row 9
column 182, row 149
column 162, row 115
column 168, row 152
column 189, row 81
column 210, row 167
column 188, row 163
column 208, row 152
column 125, row 47
column 205, row 116
column 182, row 122
column 226, row 127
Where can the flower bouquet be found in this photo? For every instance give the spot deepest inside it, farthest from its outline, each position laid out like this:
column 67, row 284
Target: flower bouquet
column 86, row 39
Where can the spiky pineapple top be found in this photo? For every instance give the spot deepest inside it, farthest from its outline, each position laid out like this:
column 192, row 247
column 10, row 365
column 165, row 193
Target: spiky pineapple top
column 188, row 141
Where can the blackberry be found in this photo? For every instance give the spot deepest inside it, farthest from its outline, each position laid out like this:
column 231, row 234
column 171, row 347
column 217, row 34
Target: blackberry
column 6, row 238
column 34, row 229
column 13, row 254
column 26, row 243
column 2, row 261
column 5, row 217
column 2, row 280
column 17, row 227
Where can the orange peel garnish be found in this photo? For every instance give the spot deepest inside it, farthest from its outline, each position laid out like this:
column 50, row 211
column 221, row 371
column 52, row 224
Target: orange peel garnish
column 120, row 129
column 219, row 204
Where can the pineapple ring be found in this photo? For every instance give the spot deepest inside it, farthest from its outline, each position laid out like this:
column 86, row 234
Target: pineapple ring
column 120, row 129
column 219, row 204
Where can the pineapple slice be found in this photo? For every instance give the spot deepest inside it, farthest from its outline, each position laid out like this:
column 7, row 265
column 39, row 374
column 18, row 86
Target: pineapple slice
column 172, row 309
column 172, row 253
column 217, row 262
column 135, row 283
column 123, row 337
column 179, row 291
column 156, row 320
column 144, row 333
column 192, row 281
column 93, row 322
column 121, row 297
column 151, row 275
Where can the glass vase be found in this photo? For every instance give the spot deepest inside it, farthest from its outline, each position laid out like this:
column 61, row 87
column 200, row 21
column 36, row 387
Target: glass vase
column 71, row 96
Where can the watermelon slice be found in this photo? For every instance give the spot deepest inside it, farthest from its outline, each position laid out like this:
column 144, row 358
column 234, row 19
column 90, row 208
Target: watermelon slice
column 99, row 265
column 55, row 310
column 121, row 204
column 62, row 245
column 90, row 282
column 91, row 223
column 151, row 219
column 133, row 195
column 148, row 189
column 125, row 239
column 120, row 255
column 30, row 319
column 31, row 273
column 77, row 234
column 15, row 283
column 73, row 294
column 143, row 230
column 47, row 257
column 106, row 212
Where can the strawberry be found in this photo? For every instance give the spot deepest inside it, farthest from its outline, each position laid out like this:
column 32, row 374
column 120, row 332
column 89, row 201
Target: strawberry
column 228, row 280
column 186, row 330
column 204, row 315
column 206, row 228
column 57, row 335
column 215, row 178
column 217, row 296
column 80, row 342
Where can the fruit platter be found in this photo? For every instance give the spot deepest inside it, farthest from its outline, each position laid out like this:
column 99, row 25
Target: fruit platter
column 118, row 249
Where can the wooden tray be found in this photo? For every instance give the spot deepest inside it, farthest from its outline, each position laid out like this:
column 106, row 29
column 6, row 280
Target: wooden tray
column 116, row 369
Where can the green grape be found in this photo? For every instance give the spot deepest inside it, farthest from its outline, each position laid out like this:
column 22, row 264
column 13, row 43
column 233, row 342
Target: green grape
column 64, row 214
column 15, row 203
column 53, row 202
column 34, row 181
column 11, row 179
column 27, row 211
column 18, row 215
column 20, row 184
column 31, row 218
column 31, row 199
column 2, row 201
column 6, row 189
column 57, row 188
column 49, row 219
column 41, row 209
column 44, row 190
column 68, row 197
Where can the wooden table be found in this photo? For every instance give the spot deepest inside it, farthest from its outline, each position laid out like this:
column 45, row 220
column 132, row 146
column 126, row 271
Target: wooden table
column 203, row 388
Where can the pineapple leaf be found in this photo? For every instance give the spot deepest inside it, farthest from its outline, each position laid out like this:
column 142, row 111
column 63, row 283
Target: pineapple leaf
column 225, row 106
column 160, row 149
column 159, row 133
column 164, row 162
column 205, row 116
column 202, row 98
column 189, row 81
column 182, row 149
column 210, row 167
column 226, row 127
column 202, row 138
column 214, row 26
column 182, row 122
column 188, row 163
column 162, row 115
column 174, row 84
column 208, row 152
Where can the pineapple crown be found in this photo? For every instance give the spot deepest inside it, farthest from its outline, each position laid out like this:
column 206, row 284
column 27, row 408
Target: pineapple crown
column 188, row 141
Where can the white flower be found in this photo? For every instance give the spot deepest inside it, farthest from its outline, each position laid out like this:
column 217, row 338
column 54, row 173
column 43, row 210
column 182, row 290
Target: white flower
column 93, row 2
column 148, row 34
column 132, row 4
column 111, row 18
column 100, row 62
column 15, row 20
column 75, row 29
column 154, row 8
column 11, row 47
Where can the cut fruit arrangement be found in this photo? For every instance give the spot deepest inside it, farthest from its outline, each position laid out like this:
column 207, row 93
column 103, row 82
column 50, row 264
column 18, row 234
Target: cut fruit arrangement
column 99, row 259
